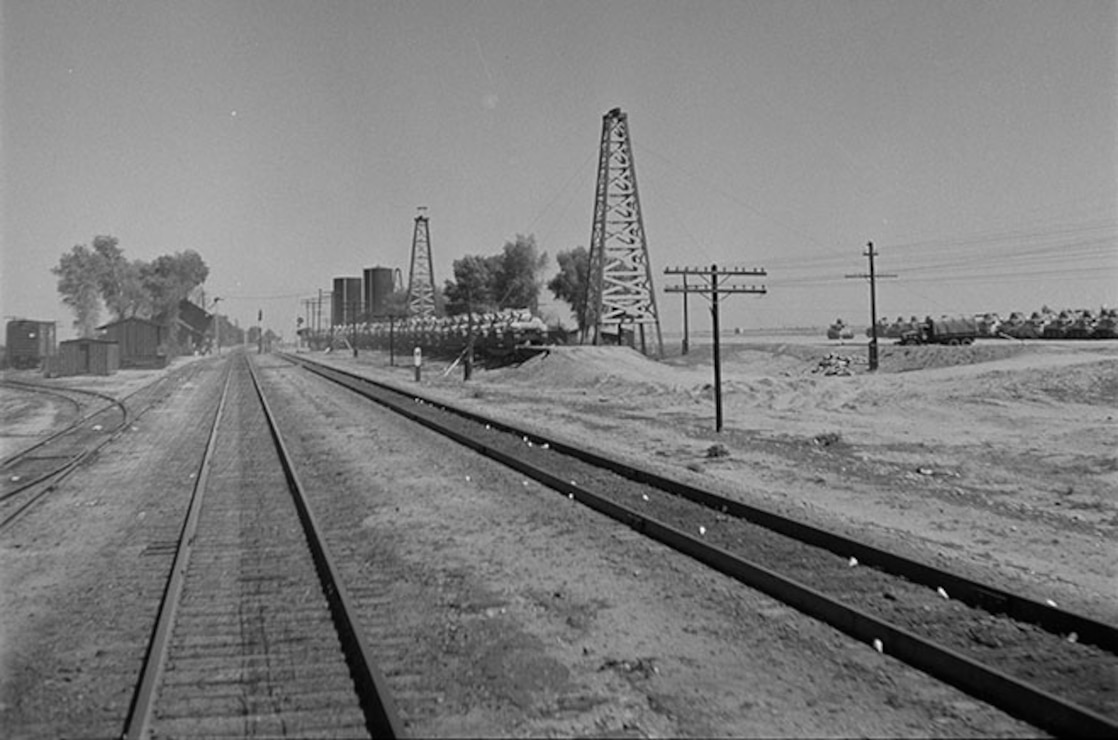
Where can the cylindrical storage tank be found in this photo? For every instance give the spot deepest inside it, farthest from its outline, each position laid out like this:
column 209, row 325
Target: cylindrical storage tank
column 346, row 300
column 378, row 286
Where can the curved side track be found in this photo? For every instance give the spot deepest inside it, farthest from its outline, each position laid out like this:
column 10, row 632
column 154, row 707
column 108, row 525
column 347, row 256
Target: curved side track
column 60, row 393
column 254, row 635
column 18, row 463
column 1029, row 659
column 28, row 477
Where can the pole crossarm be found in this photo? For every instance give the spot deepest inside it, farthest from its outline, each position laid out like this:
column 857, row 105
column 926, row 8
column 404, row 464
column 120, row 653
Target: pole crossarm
column 706, row 290
column 715, row 288
column 754, row 271
column 716, row 281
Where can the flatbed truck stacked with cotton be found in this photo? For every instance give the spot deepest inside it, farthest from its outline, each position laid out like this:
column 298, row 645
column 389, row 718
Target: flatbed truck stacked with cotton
column 944, row 330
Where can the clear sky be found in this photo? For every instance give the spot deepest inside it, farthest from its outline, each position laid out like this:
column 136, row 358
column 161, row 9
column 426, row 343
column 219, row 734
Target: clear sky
column 975, row 143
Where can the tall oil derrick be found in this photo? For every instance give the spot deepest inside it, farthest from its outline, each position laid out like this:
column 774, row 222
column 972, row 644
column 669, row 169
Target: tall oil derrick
column 421, row 282
column 620, row 292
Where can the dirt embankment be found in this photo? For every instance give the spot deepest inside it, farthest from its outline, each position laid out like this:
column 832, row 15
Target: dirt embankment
column 1001, row 455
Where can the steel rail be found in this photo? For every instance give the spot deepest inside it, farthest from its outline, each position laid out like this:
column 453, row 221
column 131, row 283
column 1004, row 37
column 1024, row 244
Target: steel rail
column 35, row 388
column 137, row 723
column 49, row 390
column 63, row 471
column 382, row 716
column 971, row 592
column 1016, row 697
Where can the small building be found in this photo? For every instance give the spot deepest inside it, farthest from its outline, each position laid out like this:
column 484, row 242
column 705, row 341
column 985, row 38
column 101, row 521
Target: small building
column 84, row 357
column 141, row 342
column 191, row 327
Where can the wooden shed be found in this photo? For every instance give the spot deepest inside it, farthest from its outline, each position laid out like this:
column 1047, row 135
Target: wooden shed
column 85, row 357
column 141, row 342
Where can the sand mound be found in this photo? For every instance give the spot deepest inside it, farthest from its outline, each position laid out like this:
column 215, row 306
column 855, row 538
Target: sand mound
column 898, row 359
column 594, row 367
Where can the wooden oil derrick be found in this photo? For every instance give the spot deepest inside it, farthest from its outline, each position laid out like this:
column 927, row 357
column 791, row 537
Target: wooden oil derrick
column 421, row 282
column 621, row 296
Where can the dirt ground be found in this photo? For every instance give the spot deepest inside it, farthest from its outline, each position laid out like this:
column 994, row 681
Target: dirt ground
column 526, row 615
column 1001, row 456
column 525, row 618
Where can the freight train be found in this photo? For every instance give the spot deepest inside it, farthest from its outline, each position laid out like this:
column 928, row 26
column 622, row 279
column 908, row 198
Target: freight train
column 1044, row 324
column 29, row 343
column 1081, row 324
column 495, row 335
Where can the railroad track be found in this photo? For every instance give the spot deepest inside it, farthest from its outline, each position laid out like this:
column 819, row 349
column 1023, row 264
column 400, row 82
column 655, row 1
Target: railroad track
column 89, row 402
column 1050, row 667
column 34, row 471
column 256, row 634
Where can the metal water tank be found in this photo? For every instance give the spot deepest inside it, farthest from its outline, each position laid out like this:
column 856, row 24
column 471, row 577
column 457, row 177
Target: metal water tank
column 346, row 306
column 378, row 286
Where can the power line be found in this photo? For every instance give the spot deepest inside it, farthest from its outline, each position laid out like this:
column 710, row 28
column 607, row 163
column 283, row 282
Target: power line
column 274, row 297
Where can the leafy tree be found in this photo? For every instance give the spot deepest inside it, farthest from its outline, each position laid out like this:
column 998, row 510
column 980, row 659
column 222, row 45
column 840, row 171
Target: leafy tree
column 170, row 278
column 517, row 283
column 506, row 280
column 119, row 280
column 572, row 284
column 88, row 277
column 474, row 284
column 79, row 284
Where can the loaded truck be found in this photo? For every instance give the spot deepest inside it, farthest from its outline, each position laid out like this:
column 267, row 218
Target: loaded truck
column 958, row 330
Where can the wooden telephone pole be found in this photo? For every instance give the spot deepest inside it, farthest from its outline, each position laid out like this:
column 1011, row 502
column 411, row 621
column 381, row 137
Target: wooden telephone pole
column 714, row 287
column 873, row 302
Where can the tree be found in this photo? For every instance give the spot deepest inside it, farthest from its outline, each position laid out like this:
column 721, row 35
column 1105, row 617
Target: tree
column 506, row 280
column 572, row 285
column 474, row 283
column 89, row 277
column 79, row 284
column 171, row 277
column 119, row 280
column 517, row 283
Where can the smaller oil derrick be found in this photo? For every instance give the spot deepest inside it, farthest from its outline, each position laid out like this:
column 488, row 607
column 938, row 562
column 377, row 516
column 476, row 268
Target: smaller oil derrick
column 421, row 281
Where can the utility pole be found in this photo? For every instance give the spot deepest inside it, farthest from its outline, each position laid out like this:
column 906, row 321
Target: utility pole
column 468, row 360
column 873, row 302
column 686, row 322
column 715, row 286
column 353, row 310
column 318, row 321
column 217, row 325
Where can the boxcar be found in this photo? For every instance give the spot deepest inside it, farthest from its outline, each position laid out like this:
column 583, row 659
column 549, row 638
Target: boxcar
column 29, row 343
